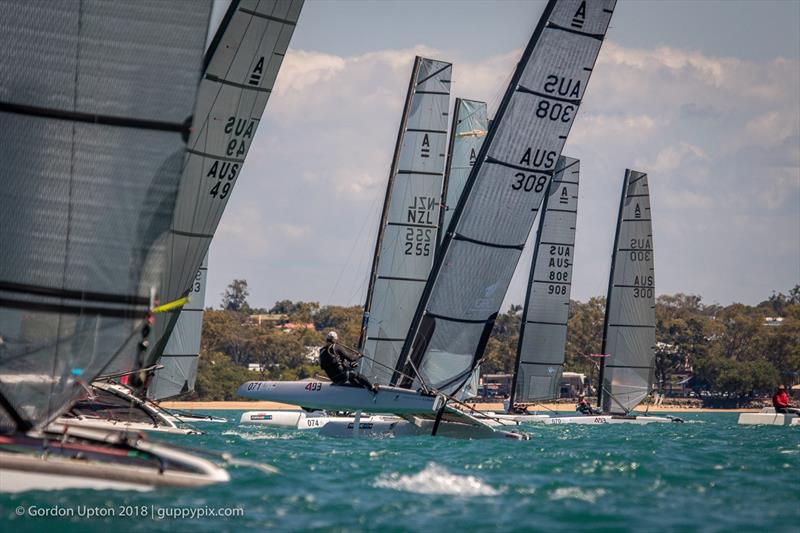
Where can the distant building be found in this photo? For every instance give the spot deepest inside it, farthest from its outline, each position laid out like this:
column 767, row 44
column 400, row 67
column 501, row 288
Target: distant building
column 295, row 326
column 268, row 319
column 773, row 321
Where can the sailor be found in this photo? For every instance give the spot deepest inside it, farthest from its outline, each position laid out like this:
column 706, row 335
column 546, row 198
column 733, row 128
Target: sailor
column 780, row 400
column 340, row 363
column 583, row 406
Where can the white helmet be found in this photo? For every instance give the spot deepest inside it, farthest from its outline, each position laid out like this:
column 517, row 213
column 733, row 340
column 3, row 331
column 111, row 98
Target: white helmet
column 332, row 337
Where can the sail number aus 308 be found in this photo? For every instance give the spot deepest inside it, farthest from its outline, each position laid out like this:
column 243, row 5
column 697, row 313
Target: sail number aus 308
column 529, row 182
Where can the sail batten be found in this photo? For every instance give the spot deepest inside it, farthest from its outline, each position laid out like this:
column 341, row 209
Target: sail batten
column 408, row 234
column 543, row 335
column 627, row 373
column 503, row 193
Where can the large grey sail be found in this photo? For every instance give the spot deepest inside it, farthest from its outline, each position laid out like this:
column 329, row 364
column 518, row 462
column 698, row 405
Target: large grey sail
column 503, row 193
column 470, row 125
column 178, row 363
column 629, row 339
column 242, row 64
column 543, row 334
column 408, row 233
column 94, row 102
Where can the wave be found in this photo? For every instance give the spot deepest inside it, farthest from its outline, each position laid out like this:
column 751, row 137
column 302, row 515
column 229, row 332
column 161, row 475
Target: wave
column 576, row 493
column 435, row 479
column 259, row 436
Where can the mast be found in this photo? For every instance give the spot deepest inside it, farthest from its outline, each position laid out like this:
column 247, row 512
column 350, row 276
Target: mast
column 601, row 373
column 503, row 193
column 373, row 274
column 444, row 206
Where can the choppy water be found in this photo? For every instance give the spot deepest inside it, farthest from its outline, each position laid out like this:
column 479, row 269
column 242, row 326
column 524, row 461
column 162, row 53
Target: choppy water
column 708, row 474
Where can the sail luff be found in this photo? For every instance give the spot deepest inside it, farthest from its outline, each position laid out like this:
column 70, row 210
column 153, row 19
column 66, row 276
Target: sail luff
column 409, row 231
column 492, row 220
column 630, row 324
column 543, row 329
column 386, row 203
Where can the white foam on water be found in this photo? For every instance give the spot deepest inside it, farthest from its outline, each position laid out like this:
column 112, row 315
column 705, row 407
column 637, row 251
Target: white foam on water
column 259, row 436
column 576, row 493
column 435, row 479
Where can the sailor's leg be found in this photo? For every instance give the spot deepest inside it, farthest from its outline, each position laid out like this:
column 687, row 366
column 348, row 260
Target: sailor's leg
column 358, row 379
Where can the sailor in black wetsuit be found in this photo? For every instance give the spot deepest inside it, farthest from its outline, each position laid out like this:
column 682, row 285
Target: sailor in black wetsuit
column 583, row 406
column 340, row 363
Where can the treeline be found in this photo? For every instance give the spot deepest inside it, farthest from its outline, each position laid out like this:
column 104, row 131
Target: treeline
column 726, row 350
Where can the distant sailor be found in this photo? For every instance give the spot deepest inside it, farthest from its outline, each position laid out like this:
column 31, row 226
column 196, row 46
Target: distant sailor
column 584, row 408
column 340, row 363
column 780, row 400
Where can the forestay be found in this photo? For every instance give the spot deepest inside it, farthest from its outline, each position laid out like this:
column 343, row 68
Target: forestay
column 470, row 125
column 94, row 102
column 629, row 339
column 503, row 194
column 242, row 64
column 543, row 335
column 408, row 233
column 178, row 363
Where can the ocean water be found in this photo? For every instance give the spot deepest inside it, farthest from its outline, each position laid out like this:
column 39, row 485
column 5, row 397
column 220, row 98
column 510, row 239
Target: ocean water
column 706, row 475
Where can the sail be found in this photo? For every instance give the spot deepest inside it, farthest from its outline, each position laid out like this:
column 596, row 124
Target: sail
column 407, row 236
column 181, row 355
column 543, row 335
column 242, row 64
column 503, row 194
column 94, row 101
column 470, row 125
column 629, row 339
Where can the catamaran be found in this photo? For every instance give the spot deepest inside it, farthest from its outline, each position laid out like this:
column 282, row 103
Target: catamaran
column 629, row 331
column 242, row 61
column 483, row 242
column 768, row 417
column 92, row 143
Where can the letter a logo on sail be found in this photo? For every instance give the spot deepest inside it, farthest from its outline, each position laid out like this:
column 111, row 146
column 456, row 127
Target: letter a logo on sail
column 637, row 213
column 258, row 70
column 425, row 151
column 564, row 196
column 580, row 16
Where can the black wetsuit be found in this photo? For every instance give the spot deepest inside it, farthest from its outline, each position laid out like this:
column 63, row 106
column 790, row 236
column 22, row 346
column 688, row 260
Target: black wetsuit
column 340, row 364
column 585, row 409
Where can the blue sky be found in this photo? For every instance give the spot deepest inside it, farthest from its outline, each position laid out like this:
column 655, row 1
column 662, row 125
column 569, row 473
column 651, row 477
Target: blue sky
column 704, row 96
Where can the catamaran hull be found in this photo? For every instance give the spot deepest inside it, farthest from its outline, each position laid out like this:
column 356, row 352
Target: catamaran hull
column 287, row 419
column 415, row 427
column 190, row 418
column 519, row 419
column 597, row 420
column 117, row 425
column 99, row 460
column 768, row 417
column 330, row 397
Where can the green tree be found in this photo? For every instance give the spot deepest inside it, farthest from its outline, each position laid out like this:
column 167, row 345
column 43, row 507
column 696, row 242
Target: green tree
column 235, row 296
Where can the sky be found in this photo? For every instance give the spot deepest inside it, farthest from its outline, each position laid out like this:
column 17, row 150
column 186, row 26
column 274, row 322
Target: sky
column 704, row 96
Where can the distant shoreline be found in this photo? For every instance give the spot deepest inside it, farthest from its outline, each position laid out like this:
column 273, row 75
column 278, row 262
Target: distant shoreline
column 257, row 406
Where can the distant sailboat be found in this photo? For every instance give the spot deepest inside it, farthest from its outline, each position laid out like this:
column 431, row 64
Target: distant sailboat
column 629, row 336
column 92, row 146
column 489, row 227
column 543, row 332
column 242, row 61
column 407, row 235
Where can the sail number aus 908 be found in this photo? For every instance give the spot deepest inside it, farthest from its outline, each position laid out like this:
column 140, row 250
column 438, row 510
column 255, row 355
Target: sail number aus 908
column 529, row 182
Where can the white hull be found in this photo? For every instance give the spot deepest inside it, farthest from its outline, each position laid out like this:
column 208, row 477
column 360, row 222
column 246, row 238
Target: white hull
column 89, row 459
column 596, row 420
column 288, row 419
column 118, row 425
column 387, row 426
column 192, row 418
column 519, row 419
column 768, row 417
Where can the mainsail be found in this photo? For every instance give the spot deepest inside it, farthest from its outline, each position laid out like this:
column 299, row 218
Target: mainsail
column 503, row 193
column 178, row 363
column 470, row 125
column 407, row 237
column 543, row 334
column 94, row 101
column 242, row 64
column 629, row 338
